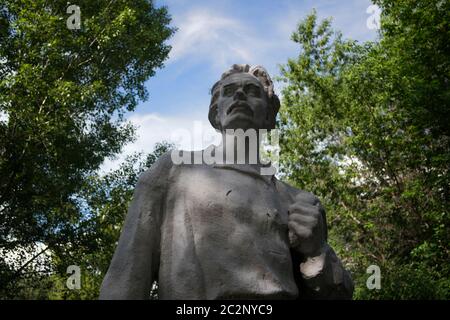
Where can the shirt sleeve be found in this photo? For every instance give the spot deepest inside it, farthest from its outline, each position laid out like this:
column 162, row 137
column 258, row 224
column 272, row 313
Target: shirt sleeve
column 136, row 260
column 323, row 277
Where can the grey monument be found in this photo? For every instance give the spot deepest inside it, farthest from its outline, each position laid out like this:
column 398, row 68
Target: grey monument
column 225, row 231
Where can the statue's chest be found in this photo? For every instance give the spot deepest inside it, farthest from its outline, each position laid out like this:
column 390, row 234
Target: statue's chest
column 228, row 201
column 225, row 233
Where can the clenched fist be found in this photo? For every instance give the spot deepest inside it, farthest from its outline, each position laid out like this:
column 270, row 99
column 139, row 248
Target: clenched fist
column 307, row 225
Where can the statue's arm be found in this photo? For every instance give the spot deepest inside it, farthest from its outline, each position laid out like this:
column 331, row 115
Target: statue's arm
column 322, row 275
column 318, row 272
column 136, row 260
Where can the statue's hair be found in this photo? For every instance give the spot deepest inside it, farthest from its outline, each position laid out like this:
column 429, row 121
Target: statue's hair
column 262, row 76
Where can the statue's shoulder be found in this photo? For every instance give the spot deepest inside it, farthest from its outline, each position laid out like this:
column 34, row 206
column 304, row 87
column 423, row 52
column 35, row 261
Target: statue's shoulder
column 159, row 172
column 293, row 192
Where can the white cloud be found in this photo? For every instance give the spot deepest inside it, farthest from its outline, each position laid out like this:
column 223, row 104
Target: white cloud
column 215, row 37
column 218, row 40
column 187, row 134
column 207, row 36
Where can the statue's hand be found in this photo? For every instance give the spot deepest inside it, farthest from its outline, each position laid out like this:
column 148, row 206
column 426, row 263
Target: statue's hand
column 306, row 225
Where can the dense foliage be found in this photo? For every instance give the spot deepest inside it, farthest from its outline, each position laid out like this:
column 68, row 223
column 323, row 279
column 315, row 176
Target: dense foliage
column 63, row 95
column 366, row 128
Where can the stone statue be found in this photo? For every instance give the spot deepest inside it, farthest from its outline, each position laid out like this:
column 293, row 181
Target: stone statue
column 224, row 231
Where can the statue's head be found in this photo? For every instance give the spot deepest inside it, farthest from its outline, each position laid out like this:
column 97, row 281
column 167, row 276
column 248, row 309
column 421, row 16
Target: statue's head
column 243, row 99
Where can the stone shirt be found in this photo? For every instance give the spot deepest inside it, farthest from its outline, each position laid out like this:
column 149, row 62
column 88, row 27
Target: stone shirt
column 225, row 235
column 205, row 232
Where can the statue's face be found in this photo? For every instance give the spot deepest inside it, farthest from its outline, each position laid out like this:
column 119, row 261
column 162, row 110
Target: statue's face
column 242, row 103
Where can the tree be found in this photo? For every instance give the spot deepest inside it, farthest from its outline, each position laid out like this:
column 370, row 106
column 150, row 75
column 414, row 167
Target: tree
column 365, row 127
column 63, row 95
column 104, row 201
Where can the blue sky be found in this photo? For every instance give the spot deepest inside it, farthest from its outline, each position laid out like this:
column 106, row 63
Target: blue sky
column 212, row 35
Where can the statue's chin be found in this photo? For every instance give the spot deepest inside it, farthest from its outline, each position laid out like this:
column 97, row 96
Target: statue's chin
column 240, row 121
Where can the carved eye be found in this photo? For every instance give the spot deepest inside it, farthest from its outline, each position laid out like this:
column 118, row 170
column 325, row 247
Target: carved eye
column 252, row 90
column 229, row 90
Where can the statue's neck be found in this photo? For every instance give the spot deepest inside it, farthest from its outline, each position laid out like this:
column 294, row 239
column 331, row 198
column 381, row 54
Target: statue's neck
column 241, row 148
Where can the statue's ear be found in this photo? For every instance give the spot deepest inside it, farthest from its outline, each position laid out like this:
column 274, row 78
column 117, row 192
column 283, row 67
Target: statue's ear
column 272, row 111
column 270, row 120
column 213, row 117
column 217, row 125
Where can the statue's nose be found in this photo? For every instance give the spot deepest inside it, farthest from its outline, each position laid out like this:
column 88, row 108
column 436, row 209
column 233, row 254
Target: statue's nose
column 239, row 94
